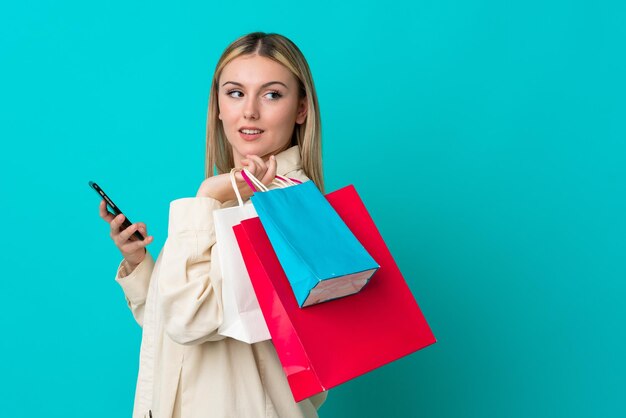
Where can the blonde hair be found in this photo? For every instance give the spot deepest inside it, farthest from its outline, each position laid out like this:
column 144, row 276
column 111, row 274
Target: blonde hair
column 308, row 136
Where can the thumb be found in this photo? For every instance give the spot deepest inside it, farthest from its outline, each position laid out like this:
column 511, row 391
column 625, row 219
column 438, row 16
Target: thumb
column 270, row 174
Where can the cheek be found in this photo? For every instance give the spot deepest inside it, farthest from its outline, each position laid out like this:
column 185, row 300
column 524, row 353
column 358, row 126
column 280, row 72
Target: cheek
column 282, row 117
column 226, row 112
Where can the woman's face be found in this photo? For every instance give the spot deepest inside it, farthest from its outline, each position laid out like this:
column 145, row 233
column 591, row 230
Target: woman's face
column 258, row 106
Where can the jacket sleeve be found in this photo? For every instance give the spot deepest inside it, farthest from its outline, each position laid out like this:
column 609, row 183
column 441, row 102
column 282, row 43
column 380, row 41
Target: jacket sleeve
column 189, row 281
column 135, row 285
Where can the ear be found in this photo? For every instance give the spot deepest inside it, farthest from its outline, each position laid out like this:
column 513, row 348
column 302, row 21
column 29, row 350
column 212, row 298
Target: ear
column 219, row 116
column 303, row 107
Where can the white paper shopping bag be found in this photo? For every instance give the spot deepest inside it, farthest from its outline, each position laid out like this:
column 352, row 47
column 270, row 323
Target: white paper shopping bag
column 243, row 319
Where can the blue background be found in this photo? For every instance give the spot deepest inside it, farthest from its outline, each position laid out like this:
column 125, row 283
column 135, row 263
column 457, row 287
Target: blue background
column 487, row 139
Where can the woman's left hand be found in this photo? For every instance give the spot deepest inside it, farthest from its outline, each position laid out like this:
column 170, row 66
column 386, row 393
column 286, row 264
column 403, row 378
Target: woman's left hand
column 264, row 171
column 219, row 187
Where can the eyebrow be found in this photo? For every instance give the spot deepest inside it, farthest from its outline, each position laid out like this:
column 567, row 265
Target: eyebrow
column 262, row 86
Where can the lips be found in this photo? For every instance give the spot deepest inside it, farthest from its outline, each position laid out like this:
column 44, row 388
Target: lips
column 250, row 130
column 250, row 136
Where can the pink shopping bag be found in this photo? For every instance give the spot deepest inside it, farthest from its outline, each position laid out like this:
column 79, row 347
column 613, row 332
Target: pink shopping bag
column 324, row 345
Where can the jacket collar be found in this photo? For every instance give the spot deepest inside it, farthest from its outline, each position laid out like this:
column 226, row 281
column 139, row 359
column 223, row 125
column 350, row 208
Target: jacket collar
column 288, row 160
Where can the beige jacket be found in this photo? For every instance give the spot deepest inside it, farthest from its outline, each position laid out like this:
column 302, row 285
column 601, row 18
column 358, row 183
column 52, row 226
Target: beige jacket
column 187, row 370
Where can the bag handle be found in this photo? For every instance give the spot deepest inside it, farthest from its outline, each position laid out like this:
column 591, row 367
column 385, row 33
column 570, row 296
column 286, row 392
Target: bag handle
column 253, row 181
column 234, row 184
column 285, row 181
column 280, row 181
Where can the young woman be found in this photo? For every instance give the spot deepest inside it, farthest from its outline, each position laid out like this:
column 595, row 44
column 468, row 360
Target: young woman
column 264, row 116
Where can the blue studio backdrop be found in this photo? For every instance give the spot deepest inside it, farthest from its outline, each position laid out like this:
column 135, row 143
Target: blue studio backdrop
column 487, row 139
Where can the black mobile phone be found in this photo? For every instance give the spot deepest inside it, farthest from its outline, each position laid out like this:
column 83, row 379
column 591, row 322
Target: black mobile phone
column 115, row 209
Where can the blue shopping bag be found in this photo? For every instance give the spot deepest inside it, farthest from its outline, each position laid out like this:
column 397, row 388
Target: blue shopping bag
column 321, row 257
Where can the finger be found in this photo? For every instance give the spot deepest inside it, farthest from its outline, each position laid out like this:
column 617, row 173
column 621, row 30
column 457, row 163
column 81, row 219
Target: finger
column 104, row 213
column 263, row 175
column 262, row 167
column 252, row 167
column 126, row 234
column 132, row 246
column 135, row 245
column 270, row 174
column 116, row 223
column 117, row 228
column 259, row 161
column 132, row 239
column 143, row 230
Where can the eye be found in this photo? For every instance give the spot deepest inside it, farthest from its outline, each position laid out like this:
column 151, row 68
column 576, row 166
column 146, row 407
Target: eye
column 231, row 92
column 276, row 95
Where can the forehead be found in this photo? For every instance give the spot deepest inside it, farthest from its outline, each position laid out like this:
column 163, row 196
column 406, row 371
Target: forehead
column 255, row 70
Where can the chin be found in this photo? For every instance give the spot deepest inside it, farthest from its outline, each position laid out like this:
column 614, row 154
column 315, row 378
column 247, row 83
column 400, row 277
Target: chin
column 244, row 149
column 259, row 149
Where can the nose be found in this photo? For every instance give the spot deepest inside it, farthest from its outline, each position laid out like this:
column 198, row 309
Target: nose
column 250, row 110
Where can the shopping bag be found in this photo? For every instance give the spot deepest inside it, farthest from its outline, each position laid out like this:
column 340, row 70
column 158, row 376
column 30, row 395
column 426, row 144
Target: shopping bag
column 242, row 316
column 330, row 343
column 321, row 257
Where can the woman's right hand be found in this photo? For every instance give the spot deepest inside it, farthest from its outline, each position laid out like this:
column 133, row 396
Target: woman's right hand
column 132, row 249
